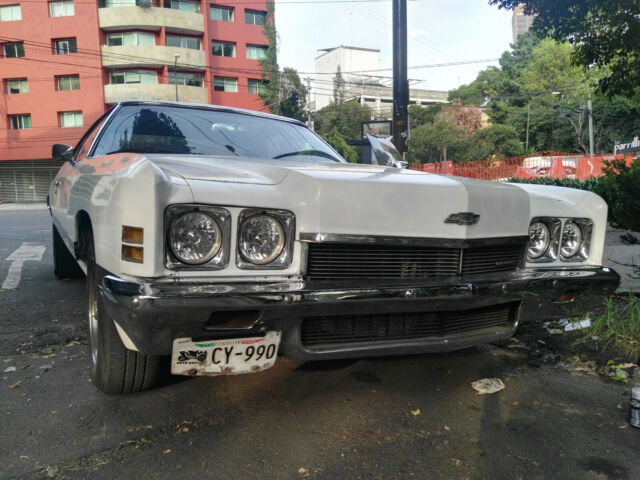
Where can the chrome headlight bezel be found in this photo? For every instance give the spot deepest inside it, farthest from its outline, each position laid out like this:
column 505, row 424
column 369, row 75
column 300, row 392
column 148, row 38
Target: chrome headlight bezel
column 220, row 215
column 286, row 220
column 586, row 228
column 551, row 253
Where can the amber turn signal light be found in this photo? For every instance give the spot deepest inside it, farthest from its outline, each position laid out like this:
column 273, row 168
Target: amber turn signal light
column 132, row 235
column 132, row 254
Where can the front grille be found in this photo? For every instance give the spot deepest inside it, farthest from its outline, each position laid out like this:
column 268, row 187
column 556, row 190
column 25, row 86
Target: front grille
column 335, row 261
column 363, row 328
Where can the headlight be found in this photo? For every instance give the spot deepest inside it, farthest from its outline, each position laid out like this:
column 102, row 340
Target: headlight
column 571, row 240
column 539, row 239
column 261, row 239
column 195, row 238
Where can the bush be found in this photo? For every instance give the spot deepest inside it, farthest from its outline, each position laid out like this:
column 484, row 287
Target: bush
column 619, row 187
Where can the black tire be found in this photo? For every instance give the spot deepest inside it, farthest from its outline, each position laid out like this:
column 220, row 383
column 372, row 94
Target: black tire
column 64, row 264
column 114, row 368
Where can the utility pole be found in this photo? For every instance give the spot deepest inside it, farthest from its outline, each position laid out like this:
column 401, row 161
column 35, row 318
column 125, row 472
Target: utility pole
column 526, row 147
column 400, row 82
column 590, row 107
column 175, row 72
column 308, row 80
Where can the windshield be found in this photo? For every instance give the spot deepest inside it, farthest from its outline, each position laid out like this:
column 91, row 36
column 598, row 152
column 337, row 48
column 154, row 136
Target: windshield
column 193, row 131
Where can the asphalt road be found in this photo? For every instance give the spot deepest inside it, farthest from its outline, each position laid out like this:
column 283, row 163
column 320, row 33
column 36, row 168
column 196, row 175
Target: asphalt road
column 392, row 418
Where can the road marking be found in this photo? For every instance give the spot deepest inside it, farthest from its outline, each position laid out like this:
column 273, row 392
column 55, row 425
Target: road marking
column 27, row 252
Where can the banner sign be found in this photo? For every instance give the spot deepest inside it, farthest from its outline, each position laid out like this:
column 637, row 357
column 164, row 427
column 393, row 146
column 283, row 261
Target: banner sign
column 633, row 146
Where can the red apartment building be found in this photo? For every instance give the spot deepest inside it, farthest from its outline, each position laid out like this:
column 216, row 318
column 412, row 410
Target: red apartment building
column 64, row 62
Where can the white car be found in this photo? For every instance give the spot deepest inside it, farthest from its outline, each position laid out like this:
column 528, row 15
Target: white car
column 225, row 237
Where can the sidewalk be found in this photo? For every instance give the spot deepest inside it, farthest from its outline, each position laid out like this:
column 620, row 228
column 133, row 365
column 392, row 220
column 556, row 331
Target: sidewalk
column 14, row 207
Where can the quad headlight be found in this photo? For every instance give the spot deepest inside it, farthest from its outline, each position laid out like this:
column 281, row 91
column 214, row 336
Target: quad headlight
column 197, row 237
column 261, row 239
column 539, row 239
column 552, row 238
column 265, row 239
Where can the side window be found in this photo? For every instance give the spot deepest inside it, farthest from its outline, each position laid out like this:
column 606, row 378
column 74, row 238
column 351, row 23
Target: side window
column 82, row 149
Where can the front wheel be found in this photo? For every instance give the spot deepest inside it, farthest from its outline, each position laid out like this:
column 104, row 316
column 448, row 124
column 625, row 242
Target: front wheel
column 114, row 368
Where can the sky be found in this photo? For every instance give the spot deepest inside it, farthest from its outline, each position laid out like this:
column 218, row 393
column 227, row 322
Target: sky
column 439, row 31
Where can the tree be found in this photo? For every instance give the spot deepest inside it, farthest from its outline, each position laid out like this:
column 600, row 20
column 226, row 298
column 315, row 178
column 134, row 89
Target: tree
column 338, row 87
column 338, row 142
column 293, row 95
column 427, row 143
column 466, row 118
column 419, row 115
column 499, row 141
column 346, row 118
column 605, row 33
column 269, row 63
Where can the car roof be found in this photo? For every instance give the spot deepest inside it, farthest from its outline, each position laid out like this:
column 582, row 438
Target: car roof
column 205, row 106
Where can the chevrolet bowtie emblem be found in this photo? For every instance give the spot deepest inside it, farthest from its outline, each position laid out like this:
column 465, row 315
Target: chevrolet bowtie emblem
column 463, row 218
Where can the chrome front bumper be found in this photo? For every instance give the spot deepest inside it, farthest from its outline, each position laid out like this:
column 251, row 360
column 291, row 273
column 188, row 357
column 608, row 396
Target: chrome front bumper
column 154, row 313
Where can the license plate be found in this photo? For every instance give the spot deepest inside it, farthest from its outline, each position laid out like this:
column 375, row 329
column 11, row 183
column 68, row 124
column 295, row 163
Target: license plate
column 230, row 356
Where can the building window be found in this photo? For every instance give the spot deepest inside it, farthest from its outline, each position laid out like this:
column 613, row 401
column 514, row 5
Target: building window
column 13, row 50
column 190, row 79
column 133, row 76
column 186, row 5
column 68, row 82
column 61, row 9
column 183, row 42
column 10, row 13
column 65, row 46
column 20, row 122
column 130, row 38
column 223, row 49
column 18, row 85
column 256, row 86
column 224, row 84
column 224, row 14
column 256, row 52
column 255, row 17
column 70, row 119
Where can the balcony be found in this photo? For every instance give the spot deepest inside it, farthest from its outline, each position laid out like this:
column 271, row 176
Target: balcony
column 150, row 18
column 158, row 91
column 152, row 56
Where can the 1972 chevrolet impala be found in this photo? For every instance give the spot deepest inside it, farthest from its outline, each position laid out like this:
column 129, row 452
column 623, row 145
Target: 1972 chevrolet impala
column 225, row 237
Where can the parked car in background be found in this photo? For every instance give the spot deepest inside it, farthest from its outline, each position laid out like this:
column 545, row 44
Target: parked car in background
column 224, row 237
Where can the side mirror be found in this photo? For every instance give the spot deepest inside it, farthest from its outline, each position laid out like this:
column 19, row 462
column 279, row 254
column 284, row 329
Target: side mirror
column 62, row 152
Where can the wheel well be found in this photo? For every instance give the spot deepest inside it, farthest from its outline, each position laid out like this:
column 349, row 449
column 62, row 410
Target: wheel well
column 85, row 230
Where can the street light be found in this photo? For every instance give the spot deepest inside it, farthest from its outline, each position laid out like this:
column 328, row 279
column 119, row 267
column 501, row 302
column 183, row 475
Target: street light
column 175, row 72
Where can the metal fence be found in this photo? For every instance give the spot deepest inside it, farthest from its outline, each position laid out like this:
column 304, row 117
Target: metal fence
column 26, row 181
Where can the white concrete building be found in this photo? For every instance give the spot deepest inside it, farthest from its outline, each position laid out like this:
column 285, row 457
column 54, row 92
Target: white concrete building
column 360, row 70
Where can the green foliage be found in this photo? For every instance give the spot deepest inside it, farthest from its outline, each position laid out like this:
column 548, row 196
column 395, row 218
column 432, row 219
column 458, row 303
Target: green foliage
column 419, row 115
column 338, row 142
column 346, row 118
column 427, row 143
column 606, row 33
column 619, row 187
column 283, row 92
column 618, row 327
column 501, row 140
column 338, row 87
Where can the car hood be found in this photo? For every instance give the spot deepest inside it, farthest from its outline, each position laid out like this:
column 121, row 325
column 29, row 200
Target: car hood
column 343, row 198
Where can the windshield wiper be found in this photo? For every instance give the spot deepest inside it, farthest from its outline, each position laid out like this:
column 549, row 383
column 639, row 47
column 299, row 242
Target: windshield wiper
column 317, row 153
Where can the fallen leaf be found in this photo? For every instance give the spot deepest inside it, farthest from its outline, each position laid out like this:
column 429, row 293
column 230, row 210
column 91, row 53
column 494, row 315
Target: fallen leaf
column 515, row 404
column 46, row 351
column 536, row 404
column 168, row 450
column 15, row 385
column 344, row 436
column 446, row 428
column 303, row 471
column 415, row 412
column 52, row 472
